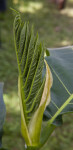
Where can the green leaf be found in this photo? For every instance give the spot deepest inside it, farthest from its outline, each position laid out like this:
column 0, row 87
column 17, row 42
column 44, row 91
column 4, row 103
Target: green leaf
column 33, row 89
column 30, row 58
column 61, row 65
column 2, row 113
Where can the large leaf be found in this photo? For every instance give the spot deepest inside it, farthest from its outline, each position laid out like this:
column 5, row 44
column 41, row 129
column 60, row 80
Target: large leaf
column 61, row 64
column 2, row 113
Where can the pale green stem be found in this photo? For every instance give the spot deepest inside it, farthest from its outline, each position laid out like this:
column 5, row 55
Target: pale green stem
column 60, row 109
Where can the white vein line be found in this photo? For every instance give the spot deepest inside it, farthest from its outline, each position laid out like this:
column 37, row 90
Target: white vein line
column 49, row 114
column 54, row 104
column 66, row 47
column 60, row 81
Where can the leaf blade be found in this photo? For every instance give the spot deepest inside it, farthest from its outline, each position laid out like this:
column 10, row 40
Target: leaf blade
column 60, row 62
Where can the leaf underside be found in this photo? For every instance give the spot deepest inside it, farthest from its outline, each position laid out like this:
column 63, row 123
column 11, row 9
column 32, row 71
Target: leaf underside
column 30, row 59
column 61, row 64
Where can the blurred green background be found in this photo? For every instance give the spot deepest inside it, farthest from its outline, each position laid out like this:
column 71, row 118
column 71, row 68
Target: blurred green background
column 55, row 29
